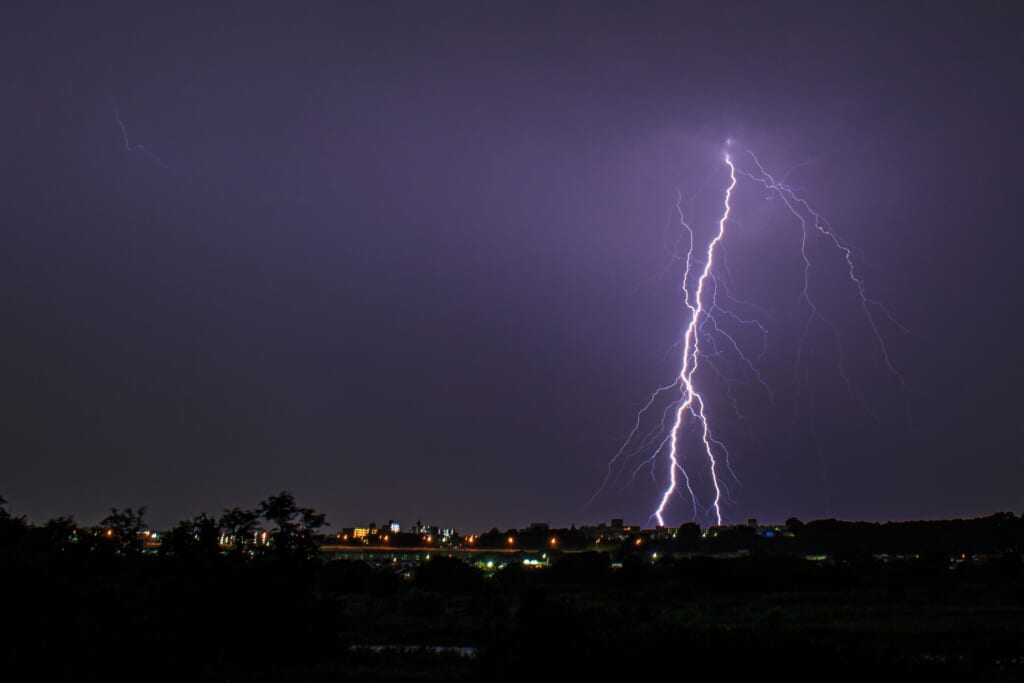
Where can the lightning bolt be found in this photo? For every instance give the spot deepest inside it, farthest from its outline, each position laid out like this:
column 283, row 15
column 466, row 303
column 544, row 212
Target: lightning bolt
column 129, row 147
column 707, row 294
column 692, row 402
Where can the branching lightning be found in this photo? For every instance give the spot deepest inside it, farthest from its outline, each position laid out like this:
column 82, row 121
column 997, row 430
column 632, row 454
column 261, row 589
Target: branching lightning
column 692, row 402
column 708, row 297
column 812, row 220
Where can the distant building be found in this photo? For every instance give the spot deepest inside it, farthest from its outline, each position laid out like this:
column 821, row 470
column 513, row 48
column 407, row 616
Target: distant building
column 364, row 532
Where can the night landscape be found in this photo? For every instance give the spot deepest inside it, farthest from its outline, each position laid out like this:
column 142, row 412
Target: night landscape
column 500, row 341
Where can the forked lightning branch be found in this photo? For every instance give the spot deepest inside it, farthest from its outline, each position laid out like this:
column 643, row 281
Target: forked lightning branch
column 682, row 447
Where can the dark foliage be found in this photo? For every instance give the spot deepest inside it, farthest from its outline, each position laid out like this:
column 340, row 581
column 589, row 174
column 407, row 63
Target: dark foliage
column 447, row 575
column 192, row 539
column 123, row 529
column 891, row 601
column 294, row 527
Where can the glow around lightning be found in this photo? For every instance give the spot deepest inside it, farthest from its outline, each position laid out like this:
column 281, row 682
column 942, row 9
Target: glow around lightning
column 706, row 296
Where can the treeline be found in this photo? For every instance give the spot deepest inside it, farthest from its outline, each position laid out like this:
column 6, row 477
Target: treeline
column 995, row 534
column 278, row 527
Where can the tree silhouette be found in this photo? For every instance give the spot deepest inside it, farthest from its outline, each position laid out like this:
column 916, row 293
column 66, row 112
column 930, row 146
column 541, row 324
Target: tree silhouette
column 61, row 532
column 294, row 527
column 123, row 530
column 12, row 529
column 240, row 528
column 192, row 538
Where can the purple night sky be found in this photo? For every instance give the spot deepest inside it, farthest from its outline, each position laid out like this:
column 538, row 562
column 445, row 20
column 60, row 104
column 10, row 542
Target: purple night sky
column 403, row 259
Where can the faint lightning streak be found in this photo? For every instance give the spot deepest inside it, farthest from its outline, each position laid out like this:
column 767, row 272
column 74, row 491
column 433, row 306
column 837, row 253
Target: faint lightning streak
column 139, row 148
column 660, row 390
column 792, row 200
column 732, row 341
column 629, row 439
column 743, row 357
